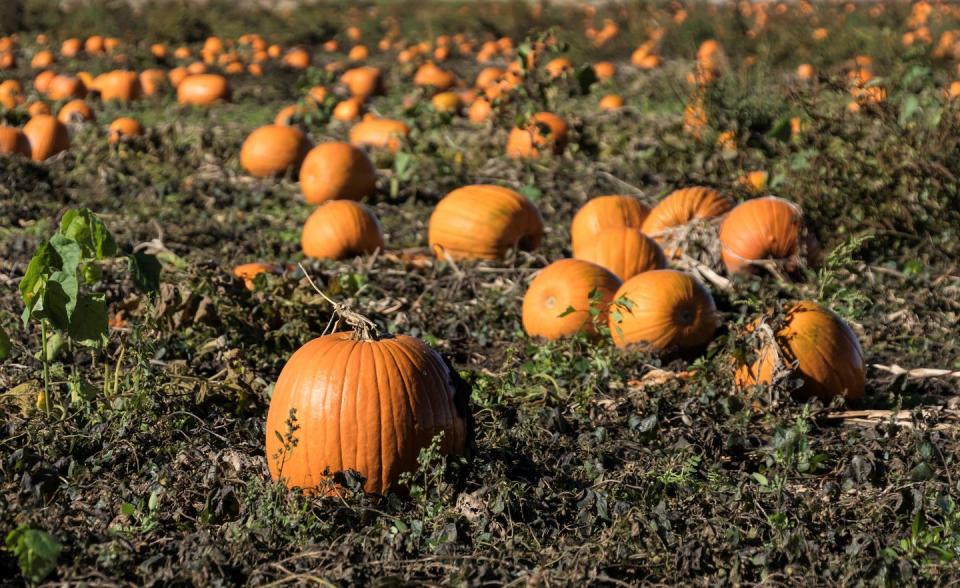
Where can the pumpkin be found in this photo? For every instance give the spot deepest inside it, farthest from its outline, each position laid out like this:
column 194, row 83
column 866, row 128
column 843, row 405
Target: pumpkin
column 358, row 53
column 611, row 102
column 339, row 229
column 297, row 58
column 544, row 130
column 203, row 89
column 805, row 71
column 379, row 133
column 42, row 59
column 360, row 404
column 159, row 51
column 479, row 111
column 47, row 136
column 118, row 85
column 271, row 150
column 70, row 48
column 152, row 80
column 37, row 108
column 42, row 81
column 287, row 114
column 318, row 94
column 94, row 45
column 13, row 141
column 483, row 222
column 604, row 70
column 348, row 110
column 681, row 208
column 604, row 212
column 766, row 228
column 248, row 272
column 446, row 102
column 560, row 298
column 487, row 76
column 65, row 87
column 558, row 66
column 662, row 311
column 177, row 75
column 7, row 60
column 75, row 111
column 333, row 171
column 824, row 350
column 625, row 251
column 363, row 82
column 124, row 128
column 430, row 75
column 196, row 67
column 11, row 93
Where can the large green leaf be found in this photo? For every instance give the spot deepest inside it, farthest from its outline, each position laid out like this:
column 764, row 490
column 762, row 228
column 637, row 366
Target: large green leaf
column 89, row 231
column 59, row 299
column 69, row 251
column 36, row 552
column 88, row 325
column 44, row 262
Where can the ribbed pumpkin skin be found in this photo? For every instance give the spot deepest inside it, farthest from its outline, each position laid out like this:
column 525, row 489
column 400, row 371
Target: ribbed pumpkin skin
column 670, row 311
column 483, row 222
column 562, row 285
column 528, row 142
column 762, row 228
column 13, row 141
column 680, row 207
column 47, row 136
column 341, row 228
column 625, row 251
column 604, row 212
column 335, row 171
column 367, row 406
column 379, row 133
column 828, row 355
column 272, row 150
column 203, row 89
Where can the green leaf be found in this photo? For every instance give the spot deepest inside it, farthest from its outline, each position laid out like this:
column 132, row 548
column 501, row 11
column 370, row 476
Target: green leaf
column 59, row 300
column 36, row 551
column 531, row 192
column 45, row 261
column 145, row 271
column 88, row 230
column 4, row 345
column 69, row 251
column 909, row 107
column 760, row 479
column 88, row 325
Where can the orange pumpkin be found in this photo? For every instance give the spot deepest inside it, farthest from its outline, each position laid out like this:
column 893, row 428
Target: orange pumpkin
column 333, row 171
column 662, row 311
column 625, row 251
column 124, row 128
column 65, row 87
column 766, row 228
column 358, row 53
column 42, row 59
column 558, row 66
column 41, row 83
column 248, row 272
column 483, row 222
column 446, row 102
column 560, row 298
column 348, row 110
column 364, row 405
column 271, row 150
column 203, row 89
column 487, row 76
column 75, row 111
column 379, row 133
column 681, row 208
column 297, row 58
column 37, row 108
column 431, row 75
column 47, row 137
column 94, row 45
column 287, row 114
column 11, row 93
column 12, row 141
column 603, row 212
column 118, row 85
column 152, row 80
column 70, row 48
column 604, row 70
column 479, row 111
column 363, row 82
column 339, row 229
column 824, row 349
column 805, row 71
column 611, row 103
column 544, row 130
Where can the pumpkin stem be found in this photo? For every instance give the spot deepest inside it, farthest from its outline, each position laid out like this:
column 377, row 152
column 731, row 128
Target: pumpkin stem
column 363, row 328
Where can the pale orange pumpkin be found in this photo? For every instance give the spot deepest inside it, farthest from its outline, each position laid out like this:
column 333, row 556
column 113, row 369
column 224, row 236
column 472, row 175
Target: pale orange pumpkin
column 603, row 212
column 625, row 251
column 203, row 89
column 479, row 111
column 297, row 58
column 272, row 150
column 348, row 110
column 379, row 133
column 47, row 137
column 446, row 102
column 816, row 345
column 562, row 295
column 41, row 82
column 339, row 229
column 333, row 171
column 766, row 228
column 662, row 311
column 431, row 75
column 364, row 405
column 118, row 85
column 483, row 222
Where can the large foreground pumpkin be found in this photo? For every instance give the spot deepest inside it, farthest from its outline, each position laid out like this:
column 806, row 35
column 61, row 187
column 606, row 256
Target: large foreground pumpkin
column 483, row 222
column 825, row 350
column 560, row 298
column 362, row 405
column 339, row 229
column 761, row 229
column 273, row 149
column 604, row 212
column 662, row 311
column 334, row 171
column 625, row 251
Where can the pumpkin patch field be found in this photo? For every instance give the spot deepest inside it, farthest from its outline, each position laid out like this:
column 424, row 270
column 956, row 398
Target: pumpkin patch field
column 479, row 293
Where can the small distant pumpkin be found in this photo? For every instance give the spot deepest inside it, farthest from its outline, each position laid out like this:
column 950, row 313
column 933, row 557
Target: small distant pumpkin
column 479, row 111
column 446, row 102
column 70, row 48
column 47, row 137
column 566, row 297
column 767, row 228
column 41, row 83
column 611, row 103
column 543, row 131
column 203, row 89
column 348, row 110
column 824, row 350
column 379, row 133
column 13, row 142
column 65, row 87
column 334, row 171
column 341, row 228
column 602, row 212
column 363, row 82
column 604, row 70
column 118, row 85
column 661, row 311
column 152, row 80
column 248, row 272
column 272, row 150
column 625, row 251
column 42, row 59
column 297, row 58
column 430, row 74
column 483, row 222
column 124, row 128
column 558, row 66
column 76, row 111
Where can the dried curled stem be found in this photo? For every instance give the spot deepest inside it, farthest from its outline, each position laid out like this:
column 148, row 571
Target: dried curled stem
column 363, row 328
